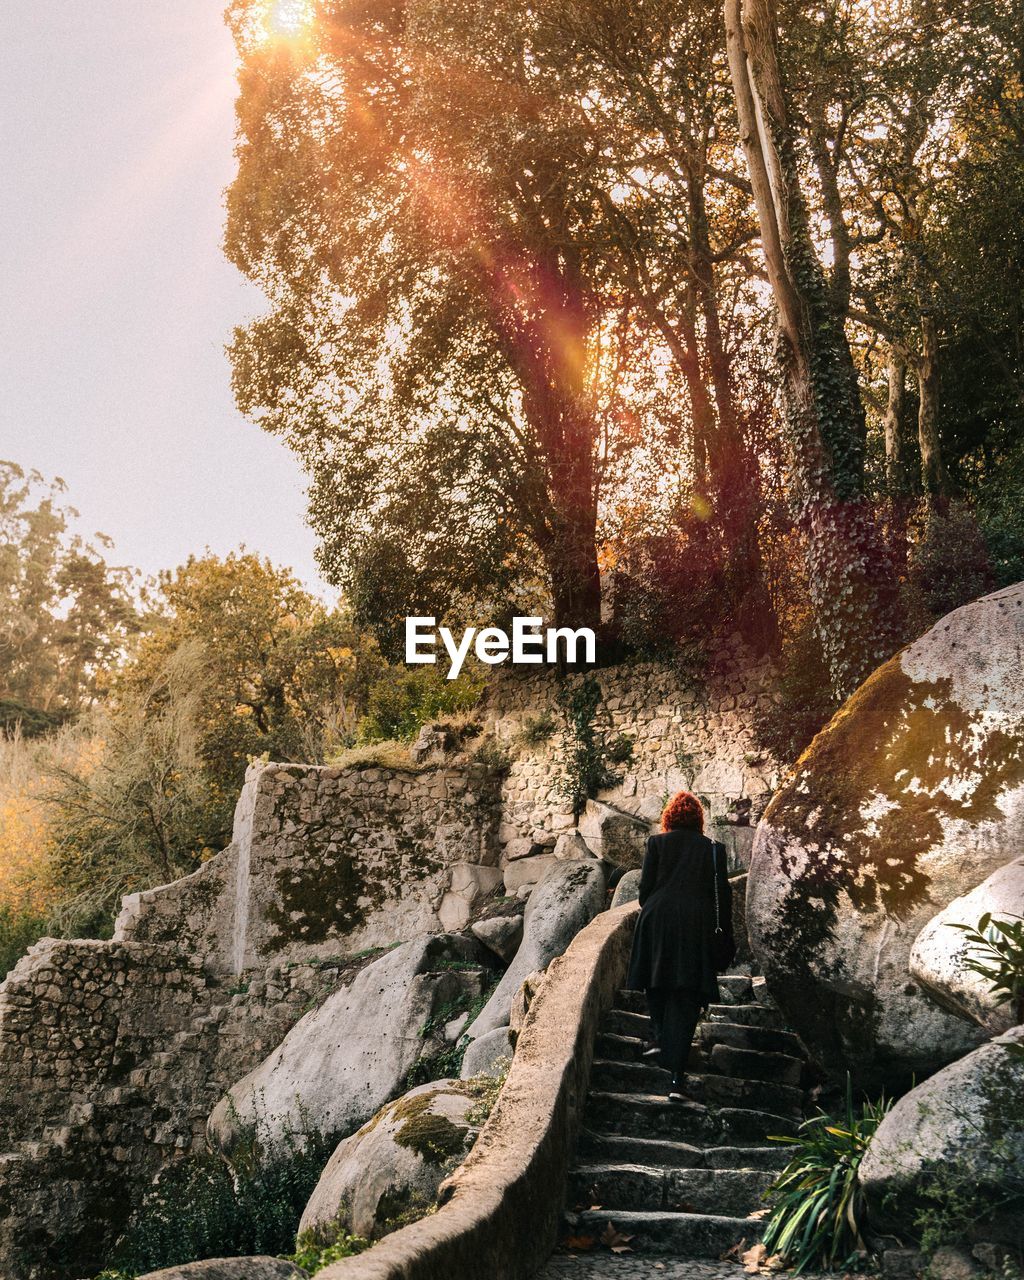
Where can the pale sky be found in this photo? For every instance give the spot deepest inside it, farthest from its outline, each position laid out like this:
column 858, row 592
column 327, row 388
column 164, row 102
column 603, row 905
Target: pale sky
column 116, row 122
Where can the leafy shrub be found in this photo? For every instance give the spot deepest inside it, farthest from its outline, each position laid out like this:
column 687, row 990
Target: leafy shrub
column 203, row 1207
column 583, row 762
column 315, row 1250
column 805, row 701
column 817, row 1207
column 949, row 560
column 406, row 698
column 19, row 929
column 538, row 729
column 669, row 598
column 998, row 957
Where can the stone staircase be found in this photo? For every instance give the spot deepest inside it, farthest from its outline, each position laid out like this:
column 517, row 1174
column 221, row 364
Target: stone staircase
column 681, row 1178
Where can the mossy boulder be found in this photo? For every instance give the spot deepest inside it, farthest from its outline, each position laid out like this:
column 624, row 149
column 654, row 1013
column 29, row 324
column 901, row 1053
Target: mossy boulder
column 346, row 1058
column 947, row 1162
column 390, row 1170
column 908, row 799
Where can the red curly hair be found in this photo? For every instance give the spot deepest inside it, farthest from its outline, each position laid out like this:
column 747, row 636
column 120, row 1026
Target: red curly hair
column 683, row 812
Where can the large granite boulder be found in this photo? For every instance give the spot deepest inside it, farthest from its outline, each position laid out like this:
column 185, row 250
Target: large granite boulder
column 909, row 798
column 394, row 1165
column 565, row 900
column 345, row 1059
column 955, row 1143
column 614, row 835
column 940, row 953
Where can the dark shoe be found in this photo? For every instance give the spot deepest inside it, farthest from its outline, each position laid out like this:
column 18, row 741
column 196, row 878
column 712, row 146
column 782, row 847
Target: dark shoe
column 650, row 1049
column 676, row 1091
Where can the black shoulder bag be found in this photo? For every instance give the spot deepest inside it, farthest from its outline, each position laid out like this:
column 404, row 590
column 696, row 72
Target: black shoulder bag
column 723, row 947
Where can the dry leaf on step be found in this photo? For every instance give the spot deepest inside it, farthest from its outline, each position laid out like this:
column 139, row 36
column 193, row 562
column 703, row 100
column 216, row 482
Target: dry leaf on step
column 612, row 1238
column 753, row 1258
column 733, row 1254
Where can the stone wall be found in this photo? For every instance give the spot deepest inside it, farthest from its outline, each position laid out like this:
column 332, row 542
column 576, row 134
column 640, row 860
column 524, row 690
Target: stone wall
column 363, row 856
column 113, row 1054
column 111, row 1057
column 682, row 738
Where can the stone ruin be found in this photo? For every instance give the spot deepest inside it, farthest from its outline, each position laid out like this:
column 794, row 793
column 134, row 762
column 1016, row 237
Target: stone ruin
column 113, row 1054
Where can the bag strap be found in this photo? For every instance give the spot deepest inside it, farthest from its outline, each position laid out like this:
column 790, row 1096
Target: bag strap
column 714, row 876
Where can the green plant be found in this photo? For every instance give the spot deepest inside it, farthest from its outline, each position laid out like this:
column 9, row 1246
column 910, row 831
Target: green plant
column 538, row 729
column 493, row 754
column 446, row 1062
column 485, row 1089
column 18, row 931
column 817, row 1209
column 202, row 1207
column 583, row 766
column 998, row 957
column 405, row 698
column 315, row 1250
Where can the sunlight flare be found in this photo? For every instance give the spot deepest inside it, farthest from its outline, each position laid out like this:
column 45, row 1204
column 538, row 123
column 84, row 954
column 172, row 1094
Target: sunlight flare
column 289, row 19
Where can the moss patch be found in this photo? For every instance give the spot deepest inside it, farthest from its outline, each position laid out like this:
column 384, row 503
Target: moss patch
column 434, row 1138
column 320, row 899
column 896, row 745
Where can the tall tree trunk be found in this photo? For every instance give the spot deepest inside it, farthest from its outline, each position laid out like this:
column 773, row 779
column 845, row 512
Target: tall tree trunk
column 897, row 442
column 934, row 476
column 852, row 584
column 571, row 553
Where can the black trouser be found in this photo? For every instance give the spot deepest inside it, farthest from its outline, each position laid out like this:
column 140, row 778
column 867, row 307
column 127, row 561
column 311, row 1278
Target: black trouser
column 675, row 1015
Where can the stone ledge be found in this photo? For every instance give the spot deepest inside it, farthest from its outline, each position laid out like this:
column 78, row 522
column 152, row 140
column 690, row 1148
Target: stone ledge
column 501, row 1209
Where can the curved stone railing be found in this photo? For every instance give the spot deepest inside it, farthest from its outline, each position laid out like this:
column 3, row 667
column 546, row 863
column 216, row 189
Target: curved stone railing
column 500, row 1210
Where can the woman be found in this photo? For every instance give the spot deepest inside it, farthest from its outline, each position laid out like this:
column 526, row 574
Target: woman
column 683, row 937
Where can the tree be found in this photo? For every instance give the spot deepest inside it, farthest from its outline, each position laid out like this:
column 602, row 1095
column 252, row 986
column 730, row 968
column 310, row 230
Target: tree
column 408, row 196
column 850, row 578
column 66, row 616
column 275, row 673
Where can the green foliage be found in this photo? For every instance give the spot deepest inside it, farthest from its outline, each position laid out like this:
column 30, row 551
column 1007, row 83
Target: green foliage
column 19, row 929
column 998, row 955
column 315, row 1250
column 66, row 616
column 538, row 729
column 202, row 1207
column 280, row 676
column 445, row 1063
column 619, row 749
column 949, row 561
column 405, row 698
column 671, row 598
column 817, row 1210
column 143, row 812
column 804, row 701
column 583, row 762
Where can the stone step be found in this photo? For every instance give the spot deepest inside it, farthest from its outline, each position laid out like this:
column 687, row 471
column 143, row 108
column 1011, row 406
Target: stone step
column 750, row 1065
column 690, row 1235
column 735, row 988
column 749, row 1015
column 737, row 1035
column 610, row 1148
column 733, row 1192
column 653, row 1116
column 742, row 1036
column 644, row 1078
column 622, row 1022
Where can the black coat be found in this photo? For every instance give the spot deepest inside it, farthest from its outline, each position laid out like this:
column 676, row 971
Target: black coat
column 674, row 943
